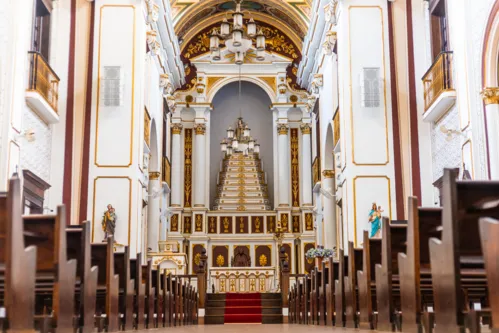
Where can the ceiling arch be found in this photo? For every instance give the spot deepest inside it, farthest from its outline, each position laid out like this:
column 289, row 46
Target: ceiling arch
column 190, row 16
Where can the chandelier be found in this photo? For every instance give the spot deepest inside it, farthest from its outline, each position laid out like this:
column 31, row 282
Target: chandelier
column 239, row 140
column 238, row 37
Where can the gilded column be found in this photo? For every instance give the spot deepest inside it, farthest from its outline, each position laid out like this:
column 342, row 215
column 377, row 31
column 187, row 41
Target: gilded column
column 329, row 209
column 199, row 167
column 284, row 179
column 176, row 190
column 306, row 156
column 153, row 208
column 491, row 99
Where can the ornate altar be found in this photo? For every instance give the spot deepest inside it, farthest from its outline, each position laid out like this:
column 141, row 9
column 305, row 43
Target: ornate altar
column 241, row 280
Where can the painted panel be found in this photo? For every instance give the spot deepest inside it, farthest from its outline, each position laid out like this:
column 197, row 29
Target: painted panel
column 242, row 225
column 117, row 192
column 212, row 225
column 226, row 224
column 187, row 224
column 114, row 121
column 263, row 255
column 174, row 223
column 309, row 222
column 257, row 224
column 198, row 227
column 296, row 223
column 369, row 125
column 366, row 191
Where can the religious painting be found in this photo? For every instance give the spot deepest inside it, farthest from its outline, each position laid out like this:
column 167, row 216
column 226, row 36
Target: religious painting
column 271, row 223
column 257, row 224
column 296, row 223
column 187, row 225
column 212, row 225
column 225, row 224
column 174, row 223
column 309, row 222
column 241, row 225
column 263, row 255
column 220, row 256
column 198, row 220
column 197, row 249
column 309, row 263
column 287, row 251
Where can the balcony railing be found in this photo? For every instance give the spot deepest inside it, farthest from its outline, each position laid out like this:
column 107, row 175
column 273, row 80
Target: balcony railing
column 438, row 79
column 43, row 79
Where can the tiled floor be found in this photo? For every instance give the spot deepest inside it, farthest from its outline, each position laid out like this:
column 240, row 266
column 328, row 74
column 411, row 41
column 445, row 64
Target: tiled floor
column 257, row 328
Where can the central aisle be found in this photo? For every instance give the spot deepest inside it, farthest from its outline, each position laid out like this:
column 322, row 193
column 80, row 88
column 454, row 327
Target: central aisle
column 255, row 328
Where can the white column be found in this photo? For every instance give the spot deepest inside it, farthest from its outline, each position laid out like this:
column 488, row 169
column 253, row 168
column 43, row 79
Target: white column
column 153, row 206
column 284, row 180
column 176, row 166
column 199, row 166
column 329, row 209
column 306, row 155
column 491, row 98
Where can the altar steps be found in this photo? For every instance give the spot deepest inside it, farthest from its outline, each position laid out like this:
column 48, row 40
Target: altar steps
column 268, row 312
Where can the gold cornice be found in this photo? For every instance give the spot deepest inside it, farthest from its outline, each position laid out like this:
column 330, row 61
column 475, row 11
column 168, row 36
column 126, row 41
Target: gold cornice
column 490, row 95
column 328, row 173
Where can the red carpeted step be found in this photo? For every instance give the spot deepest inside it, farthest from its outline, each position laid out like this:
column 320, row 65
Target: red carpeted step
column 243, row 308
column 242, row 318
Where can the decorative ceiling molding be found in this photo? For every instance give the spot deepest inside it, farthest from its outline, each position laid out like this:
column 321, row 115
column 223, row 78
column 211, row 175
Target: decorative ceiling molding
column 290, row 13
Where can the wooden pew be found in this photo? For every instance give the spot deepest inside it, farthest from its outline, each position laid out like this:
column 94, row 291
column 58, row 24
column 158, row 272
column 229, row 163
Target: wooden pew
column 414, row 264
column 332, row 276
column 157, row 284
column 339, row 289
column 107, row 285
column 314, row 296
column 457, row 256
column 126, row 288
column 169, row 299
column 78, row 248
column 139, row 291
column 307, row 286
column 149, row 292
column 48, row 234
column 392, row 242
column 354, row 261
column 489, row 234
column 323, row 280
column 18, row 262
column 367, row 282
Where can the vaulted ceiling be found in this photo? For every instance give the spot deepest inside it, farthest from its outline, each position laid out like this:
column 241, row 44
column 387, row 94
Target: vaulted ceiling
column 192, row 16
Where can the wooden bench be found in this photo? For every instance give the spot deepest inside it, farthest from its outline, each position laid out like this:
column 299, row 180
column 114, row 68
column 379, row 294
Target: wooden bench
column 18, row 264
column 126, row 288
column 456, row 259
column 139, row 292
column 55, row 275
column 107, row 308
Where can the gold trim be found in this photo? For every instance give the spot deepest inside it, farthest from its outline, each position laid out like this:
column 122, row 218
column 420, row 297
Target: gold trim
column 129, row 203
column 355, row 200
column 200, row 129
column 176, row 128
column 306, row 129
column 295, row 167
column 490, row 95
column 154, row 175
column 188, row 167
column 328, row 174
column 96, row 145
column 384, row 87
column 282, row 129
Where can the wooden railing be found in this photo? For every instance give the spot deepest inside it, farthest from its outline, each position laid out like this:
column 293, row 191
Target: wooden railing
column 439, row 78
column 43, row 79
column 316, row 170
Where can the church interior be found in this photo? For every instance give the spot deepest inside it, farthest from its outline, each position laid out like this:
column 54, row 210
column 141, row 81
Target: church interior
column 306, row 164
